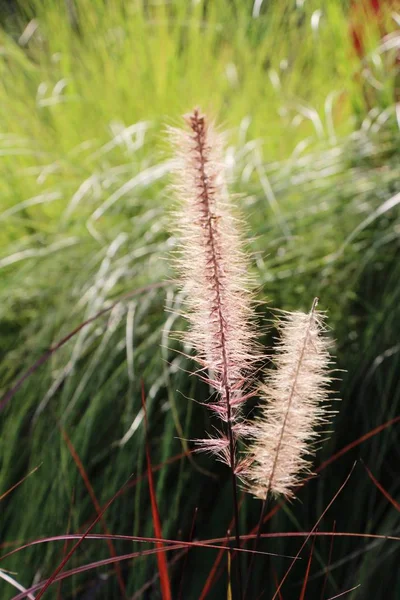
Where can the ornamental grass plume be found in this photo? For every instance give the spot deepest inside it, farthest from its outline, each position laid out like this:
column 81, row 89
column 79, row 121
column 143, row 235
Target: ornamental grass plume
column 294, row 407
column 213, row 269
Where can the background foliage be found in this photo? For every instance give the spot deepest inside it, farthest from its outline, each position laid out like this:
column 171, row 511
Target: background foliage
column 86, row 90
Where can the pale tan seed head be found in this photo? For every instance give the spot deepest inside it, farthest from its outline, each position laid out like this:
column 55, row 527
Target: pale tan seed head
column 294, row 406
column 213, row 269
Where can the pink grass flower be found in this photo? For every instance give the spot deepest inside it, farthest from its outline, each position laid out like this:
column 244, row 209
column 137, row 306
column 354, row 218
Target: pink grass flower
column 294, row 407
column 213, row 269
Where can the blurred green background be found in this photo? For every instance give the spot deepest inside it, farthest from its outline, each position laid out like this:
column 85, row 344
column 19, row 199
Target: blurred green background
column 306, row 92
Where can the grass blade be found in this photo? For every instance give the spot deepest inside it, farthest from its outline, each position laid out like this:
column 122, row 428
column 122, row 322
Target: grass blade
column 161, row 556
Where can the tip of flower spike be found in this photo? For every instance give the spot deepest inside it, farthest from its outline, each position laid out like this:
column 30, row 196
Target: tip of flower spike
column 195, row 119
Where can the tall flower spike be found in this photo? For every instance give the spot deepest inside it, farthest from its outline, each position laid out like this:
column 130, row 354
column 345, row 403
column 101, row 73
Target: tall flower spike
column 294, row 404
column 212, row 265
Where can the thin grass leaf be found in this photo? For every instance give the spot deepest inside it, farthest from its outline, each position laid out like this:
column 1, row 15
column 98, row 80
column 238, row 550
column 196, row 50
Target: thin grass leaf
column 161, row 556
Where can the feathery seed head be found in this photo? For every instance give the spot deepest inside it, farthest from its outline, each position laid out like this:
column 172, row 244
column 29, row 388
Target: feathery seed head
column 213, row 266
column 294, row 403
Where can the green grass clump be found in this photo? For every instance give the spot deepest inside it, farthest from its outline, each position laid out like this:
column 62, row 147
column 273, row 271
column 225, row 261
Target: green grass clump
column 313, row 148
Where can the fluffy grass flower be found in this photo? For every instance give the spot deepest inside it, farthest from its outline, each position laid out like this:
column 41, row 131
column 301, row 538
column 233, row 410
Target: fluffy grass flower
column 213, row 269
column 294, row 407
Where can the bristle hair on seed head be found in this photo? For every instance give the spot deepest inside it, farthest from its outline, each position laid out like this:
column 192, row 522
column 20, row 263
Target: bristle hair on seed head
column 212, row 266
column 294, row 405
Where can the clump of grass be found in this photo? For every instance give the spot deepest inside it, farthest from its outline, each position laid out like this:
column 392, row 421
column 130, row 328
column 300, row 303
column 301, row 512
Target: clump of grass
column 223, row 332
column 83, row 195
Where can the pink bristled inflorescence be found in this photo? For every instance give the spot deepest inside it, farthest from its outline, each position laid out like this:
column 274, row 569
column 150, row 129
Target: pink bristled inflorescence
column 293, row 407
column 213, row 270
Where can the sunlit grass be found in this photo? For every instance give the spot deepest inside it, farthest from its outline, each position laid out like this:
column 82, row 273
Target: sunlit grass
column 313, row 152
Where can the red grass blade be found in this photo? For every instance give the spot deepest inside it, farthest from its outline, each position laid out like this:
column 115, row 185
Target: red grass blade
column 109, row 561
column 382, row 489
column 277, row 584
column 211, row 576
column 357, row 442
column 313, row 530
column 46, row 355
column 186, row 554
column 210, row 544
column 96, row 505
column 88, row 567
column 144, row 476
column 329, row 562
column 65, row 548
column 150, row 583
column 304, row 587
column 71, row 552
column 139, row 594
column 161, row 556
column 13, row 487
column 213, row 573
